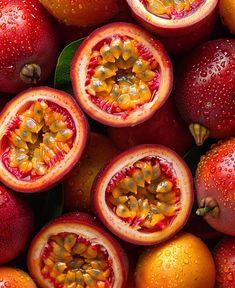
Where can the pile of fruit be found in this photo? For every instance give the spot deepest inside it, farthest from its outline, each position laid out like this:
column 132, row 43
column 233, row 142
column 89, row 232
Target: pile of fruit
column 117, row 144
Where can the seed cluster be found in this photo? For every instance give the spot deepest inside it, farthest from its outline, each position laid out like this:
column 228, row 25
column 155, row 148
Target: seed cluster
column 120, row 75
column 144, row 196
column 41, row 137
column 70, row 261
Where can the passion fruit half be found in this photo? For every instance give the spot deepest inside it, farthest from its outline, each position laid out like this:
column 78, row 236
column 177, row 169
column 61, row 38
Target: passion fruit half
column 121, row 75
column 144, row 195
column 74, row 251
column 42, row 136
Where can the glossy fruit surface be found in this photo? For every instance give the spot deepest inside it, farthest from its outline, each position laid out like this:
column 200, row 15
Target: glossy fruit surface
column 226, row 10
column 224, row 255
column 77, row 186
column 205, row 90
column 180, row 24
column 42, row 135
column 15, row 278
column 29, row 45
column 215, row 186
column 82, row 12
column 144, row 195
column 75, row 250
column 16, row 225
column 121, row 75
column 180, row 262
column 165, row 127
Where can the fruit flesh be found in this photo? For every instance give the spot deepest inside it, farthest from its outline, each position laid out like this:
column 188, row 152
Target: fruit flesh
column 122, row 75
column 71, row 261
column 145, row 195
column 38, row 137
column 172, row 9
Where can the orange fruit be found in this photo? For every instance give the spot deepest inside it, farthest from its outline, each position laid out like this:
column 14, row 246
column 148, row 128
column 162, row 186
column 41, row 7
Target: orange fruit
column 181, row 262
column 77, row 186
column 15, row 278
column 227, row 14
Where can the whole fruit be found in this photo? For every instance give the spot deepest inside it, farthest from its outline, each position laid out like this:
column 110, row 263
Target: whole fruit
column 75, row 251
column 215, row 186
column 205, row 90
column 121, row 75
column 227, row 14
column 82, row 13
column 16, row 225
column 77, row 186
column 180, row 263
column 165, row 127
column 29, row 45
column 13, row 277
column 144, row 195
column 43, row 134
column 224, row 255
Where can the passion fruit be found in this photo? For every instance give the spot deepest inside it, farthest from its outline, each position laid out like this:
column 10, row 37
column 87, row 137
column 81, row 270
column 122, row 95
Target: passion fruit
column 121, row 75
column 42, row 136
column 215, row 186
column 144, row 195
column 180, row 24
column 74, row 251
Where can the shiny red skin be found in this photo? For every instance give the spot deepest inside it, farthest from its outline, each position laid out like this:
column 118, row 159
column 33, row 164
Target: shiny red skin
column 224, row 256
column 178, row 40
column 27, row 36
column 205, row 88
column 16, row 225
column 215, row 178
column 165, row 127
column 90, row 221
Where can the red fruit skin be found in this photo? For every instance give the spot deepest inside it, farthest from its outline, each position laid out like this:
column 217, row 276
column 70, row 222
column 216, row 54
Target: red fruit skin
column 215, row 178
column 224, row 256
column 27, row 36
column 16, row 225
column 205, row 88
column 165, row 127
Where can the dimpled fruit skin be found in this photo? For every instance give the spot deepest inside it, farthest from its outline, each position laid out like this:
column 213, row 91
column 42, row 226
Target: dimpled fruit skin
column 205, row 88
column 27, row 36
column 227, row 9
column 82, row 12
column 224, row 256
column 215, row 177
column 181, row 262
column 15, row 278
column 16, row 225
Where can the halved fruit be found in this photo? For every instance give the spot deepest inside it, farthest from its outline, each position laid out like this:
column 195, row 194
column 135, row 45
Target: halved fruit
column 42, row 136
column 73, row 251
column 144, row 195
column 121, row 75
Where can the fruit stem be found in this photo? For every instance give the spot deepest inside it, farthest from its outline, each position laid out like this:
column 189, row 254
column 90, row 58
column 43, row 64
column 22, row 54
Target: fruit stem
column 30, row 73
column 209, row 206
column 199, row 132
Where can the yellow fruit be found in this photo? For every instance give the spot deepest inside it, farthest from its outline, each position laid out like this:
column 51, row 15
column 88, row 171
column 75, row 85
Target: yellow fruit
column 227, row 13
column 182, row 262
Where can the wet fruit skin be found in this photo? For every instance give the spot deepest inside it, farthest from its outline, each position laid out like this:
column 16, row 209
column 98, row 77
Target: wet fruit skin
column 226, row 11
column 27, row 37
column 215, row 179
column 43, row 134
column 224, row 254
column 82, row 13
column 179, row 34
column 165, row 127
column 139, row 195
column 179, row 262
column 87, row 227
column 16, row 225
column 205, row 87
column 77, row 186
column 15, row 278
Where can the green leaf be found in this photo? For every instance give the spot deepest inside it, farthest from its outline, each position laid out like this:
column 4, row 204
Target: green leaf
column 62, row 73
